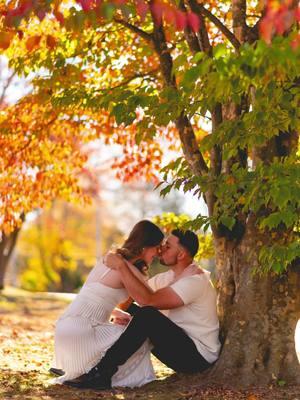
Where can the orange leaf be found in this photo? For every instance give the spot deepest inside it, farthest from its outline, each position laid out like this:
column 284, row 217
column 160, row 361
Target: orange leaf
column 5, row 39
column 33, row 42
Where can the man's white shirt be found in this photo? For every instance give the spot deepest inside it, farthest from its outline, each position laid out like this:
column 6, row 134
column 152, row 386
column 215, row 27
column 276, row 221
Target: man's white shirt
column 198, row 316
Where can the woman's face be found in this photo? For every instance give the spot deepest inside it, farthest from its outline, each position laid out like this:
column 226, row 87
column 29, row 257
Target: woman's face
column 149, row 253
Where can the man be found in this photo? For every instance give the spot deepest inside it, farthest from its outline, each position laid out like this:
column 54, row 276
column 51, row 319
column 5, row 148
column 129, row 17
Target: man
column 184, row 334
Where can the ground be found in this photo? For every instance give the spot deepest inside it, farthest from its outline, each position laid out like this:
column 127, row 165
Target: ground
column 26, row 339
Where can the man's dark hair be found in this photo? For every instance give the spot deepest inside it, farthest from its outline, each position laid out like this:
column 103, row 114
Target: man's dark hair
column 187, row 239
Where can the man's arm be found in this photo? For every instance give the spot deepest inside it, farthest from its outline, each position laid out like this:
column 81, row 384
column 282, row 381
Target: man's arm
column 163, row 299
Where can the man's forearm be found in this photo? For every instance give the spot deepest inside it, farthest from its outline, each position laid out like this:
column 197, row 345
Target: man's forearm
column 136, row 289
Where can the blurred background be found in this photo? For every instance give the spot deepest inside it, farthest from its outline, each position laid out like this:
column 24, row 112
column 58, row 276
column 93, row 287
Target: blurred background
column 56, row 246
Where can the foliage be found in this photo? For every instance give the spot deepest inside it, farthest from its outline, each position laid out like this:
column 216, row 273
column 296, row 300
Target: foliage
column 41, row 158
column 231, row 99
column 170, row 221
column 57, row 250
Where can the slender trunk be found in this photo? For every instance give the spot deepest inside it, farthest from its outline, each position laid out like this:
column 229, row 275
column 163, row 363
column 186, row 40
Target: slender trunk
column 7, row 246
column 258, row 316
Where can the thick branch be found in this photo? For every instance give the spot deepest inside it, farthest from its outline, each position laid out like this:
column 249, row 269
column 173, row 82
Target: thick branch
column 200, row 9
column 135, row 29
column 203, row 34
column 239, row 11
column 190, row 35
column 190, row 146
column 186, row 132
column 216, row 152
column 7, row 245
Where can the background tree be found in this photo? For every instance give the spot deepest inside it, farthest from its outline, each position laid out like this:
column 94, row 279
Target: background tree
column 149, row 74
column 40, row 159
column 7, row 240
column 56, row 251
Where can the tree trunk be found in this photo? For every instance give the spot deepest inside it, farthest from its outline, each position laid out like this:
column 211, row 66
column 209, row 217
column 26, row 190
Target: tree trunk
column 258, row 315
column 7, row 246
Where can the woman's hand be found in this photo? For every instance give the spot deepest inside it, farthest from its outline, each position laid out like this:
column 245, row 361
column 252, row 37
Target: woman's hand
column 120, row 317
column 113, row 260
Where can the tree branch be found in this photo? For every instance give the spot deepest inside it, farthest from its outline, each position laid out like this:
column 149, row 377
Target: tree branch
column 186, row 133
column 128, row 80
column 203, row 34
column 6, row 86
column 135, row 29
column 198, row 8
column 216, row 151
column 239, row 8
column 189, row 34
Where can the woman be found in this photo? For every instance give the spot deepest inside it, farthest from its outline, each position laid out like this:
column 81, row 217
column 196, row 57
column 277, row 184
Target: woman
column 84, row 332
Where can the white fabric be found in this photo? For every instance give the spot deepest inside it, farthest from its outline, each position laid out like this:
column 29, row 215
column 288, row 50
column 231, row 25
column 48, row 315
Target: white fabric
column 83, row 334
column 198, row 316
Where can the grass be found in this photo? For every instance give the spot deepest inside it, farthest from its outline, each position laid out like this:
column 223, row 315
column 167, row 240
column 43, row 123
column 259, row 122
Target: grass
column 26, row 342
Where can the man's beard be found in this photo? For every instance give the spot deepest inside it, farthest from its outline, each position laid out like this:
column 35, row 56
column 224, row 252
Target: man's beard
column 161, row 261
column 169, row 264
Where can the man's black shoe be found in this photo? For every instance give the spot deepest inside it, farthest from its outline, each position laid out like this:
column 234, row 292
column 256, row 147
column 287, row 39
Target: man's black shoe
column 91, row 380
column 56, row 371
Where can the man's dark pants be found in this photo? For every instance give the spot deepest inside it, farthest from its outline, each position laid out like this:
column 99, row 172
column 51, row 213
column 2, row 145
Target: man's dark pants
column 171, row 345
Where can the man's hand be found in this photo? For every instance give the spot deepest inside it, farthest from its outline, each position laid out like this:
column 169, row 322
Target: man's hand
column 113, row 260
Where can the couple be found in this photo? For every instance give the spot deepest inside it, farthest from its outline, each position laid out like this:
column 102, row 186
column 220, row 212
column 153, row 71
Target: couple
column 94, row 353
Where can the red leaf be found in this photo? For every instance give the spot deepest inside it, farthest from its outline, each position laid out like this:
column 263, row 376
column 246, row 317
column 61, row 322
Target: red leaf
column 157, row 12
column 142, row 9
column 50, row 41
column 180, row 20
column 193, row 21
column 59, row 16
column 86, row 4
column 266, row 29
column 20, row 34
column 295, row 42
column 169, row 15
column 25, row 7
column 41, row 14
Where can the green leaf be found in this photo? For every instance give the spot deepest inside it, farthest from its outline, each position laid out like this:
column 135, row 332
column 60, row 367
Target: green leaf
column 220, row 50
column 227, row 221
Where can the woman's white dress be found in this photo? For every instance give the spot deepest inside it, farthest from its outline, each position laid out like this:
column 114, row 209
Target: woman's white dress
column 83, row 334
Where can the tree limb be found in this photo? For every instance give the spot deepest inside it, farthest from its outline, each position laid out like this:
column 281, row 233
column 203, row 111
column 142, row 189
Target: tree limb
column 189, row 34
column 205, row 45
column 135, row 29
column 186, row 133
column 200, row 9
column 6, row 86
column 239, row 11
column 128, row 80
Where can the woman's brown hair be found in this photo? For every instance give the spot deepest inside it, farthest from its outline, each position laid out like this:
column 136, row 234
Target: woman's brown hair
column 144, row 234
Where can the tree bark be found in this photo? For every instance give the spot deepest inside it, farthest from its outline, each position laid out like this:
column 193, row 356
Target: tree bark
column 258, row 316
column 7, row 246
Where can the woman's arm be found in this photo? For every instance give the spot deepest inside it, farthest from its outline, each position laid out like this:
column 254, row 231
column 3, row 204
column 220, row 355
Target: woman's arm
column 116, row 261
column 163, row 299
column 132, row 279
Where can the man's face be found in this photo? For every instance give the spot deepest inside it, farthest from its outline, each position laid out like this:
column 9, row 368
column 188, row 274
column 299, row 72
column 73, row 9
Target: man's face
column 170, row 250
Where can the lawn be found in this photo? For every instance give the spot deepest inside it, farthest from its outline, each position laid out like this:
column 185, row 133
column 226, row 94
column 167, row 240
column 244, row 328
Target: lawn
column 26, row 338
